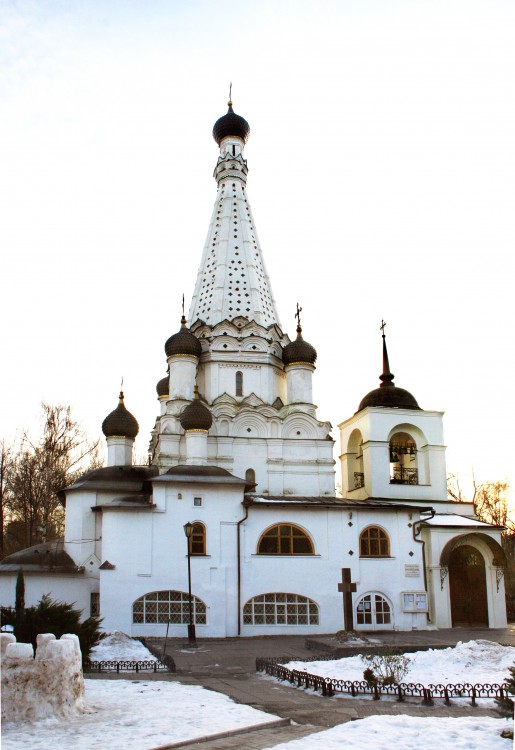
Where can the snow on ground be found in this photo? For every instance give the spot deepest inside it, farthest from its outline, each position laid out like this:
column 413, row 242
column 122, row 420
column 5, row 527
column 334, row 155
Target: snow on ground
column 474, row 662
column 135, row 715
column 119, row 647
column 408, row 733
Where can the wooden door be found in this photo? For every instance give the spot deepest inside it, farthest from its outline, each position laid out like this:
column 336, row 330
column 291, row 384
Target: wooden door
column 467, row 582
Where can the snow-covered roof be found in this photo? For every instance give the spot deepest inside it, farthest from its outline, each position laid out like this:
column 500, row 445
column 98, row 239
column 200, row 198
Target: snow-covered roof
column 453, row 519
column 328, row 500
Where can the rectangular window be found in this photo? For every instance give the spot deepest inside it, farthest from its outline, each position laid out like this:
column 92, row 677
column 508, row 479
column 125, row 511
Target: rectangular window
column 94, row 607
column 197, row 502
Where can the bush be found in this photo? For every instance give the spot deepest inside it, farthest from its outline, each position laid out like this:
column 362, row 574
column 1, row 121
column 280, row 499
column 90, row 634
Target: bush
column 505, row 705
column 387, row 668
column 49, row 616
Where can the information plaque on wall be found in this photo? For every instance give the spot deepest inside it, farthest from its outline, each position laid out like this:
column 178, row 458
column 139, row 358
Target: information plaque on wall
column 412, row 571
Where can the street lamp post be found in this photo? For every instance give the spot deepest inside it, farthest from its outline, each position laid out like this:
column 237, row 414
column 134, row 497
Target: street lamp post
column 192, row 641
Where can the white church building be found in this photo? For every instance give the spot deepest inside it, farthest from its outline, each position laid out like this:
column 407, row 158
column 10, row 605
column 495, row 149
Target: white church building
column 239, row 452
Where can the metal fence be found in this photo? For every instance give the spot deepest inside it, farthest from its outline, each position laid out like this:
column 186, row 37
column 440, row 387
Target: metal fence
column 124, row 666
column 329, row 686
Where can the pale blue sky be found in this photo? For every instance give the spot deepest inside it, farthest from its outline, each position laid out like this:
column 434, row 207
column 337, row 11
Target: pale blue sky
column 381, row 178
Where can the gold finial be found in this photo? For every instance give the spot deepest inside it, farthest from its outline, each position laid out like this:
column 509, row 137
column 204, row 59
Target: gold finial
column 195, row 392
column 230, row 95
column 121, row 390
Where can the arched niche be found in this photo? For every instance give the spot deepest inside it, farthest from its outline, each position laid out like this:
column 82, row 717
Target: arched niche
column 250, row 426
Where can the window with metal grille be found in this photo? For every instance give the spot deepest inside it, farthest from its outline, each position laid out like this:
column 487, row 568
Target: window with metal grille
column 280, row 609
column 374, row 542
column 285, row 539
column 168, row 606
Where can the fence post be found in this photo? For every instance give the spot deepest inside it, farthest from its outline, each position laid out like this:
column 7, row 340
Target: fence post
column 447, row 700
column 428, row 698
column 474, row 697
column 400, row 697
column 376, row 693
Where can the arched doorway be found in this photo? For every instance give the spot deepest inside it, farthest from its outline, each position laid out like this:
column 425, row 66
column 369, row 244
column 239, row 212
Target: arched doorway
column 467, row 583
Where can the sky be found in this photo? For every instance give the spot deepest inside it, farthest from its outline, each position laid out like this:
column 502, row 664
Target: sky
column 381, row 179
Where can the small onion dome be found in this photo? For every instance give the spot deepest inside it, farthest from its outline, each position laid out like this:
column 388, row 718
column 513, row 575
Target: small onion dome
column 388, row 394
column 163, row 387
column 183, row 342
column 120, row 423
column 299, row 351
column 196, row 416
column 231, row 124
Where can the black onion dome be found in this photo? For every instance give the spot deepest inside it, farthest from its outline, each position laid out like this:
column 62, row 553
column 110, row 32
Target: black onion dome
column 183, row 342
column 391, row 396
column 231, row 124
column 196, row 416
column 299, row 351
column 120, row 423
column 388, row 394
column 163, row 387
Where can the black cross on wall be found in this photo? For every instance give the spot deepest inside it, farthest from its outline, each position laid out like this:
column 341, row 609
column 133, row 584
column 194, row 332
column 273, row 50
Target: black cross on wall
column 347, row 588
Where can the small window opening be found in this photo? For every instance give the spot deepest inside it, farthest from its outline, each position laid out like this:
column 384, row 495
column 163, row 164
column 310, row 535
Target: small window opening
column 239, row 383
column 250, row 476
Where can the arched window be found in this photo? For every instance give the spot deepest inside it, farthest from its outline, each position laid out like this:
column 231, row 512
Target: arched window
column 239, row 383
column 373, row 610
column 403, row 459
column 285, row 539
column 250, row 476
column 374, row 542
column 198, row 539
column 280, row 609
column 168, row 606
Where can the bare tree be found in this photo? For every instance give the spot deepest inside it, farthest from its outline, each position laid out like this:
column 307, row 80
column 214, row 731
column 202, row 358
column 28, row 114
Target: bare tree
column 37, row 470
column 5, row 463
column 491, row 504
column 490, row 499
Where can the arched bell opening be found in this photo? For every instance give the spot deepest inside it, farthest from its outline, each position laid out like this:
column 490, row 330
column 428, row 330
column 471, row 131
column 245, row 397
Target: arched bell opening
column 403, row 459
column 355, row 468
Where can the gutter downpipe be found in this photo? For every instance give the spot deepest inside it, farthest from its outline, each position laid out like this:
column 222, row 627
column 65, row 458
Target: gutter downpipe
column 416, row 533
column 246, row 504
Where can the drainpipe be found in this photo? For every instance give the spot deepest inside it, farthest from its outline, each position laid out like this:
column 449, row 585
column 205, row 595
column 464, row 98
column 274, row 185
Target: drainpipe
column 246, row 503
column 416, row 533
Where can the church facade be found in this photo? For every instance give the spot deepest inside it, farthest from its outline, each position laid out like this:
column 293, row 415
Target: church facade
column 240, row 460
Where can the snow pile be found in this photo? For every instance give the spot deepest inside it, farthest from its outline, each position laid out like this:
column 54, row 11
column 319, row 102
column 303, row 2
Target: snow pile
column 136, row 715
column 120, row 647
column 51, row 685
column 474, row 662
column 407, row 733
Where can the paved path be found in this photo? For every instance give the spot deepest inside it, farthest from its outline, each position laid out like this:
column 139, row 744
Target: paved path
column 228, row 666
